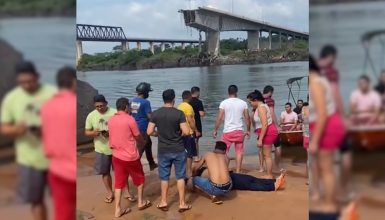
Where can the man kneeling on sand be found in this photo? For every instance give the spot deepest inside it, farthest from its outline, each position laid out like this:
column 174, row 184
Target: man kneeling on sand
column 218, row 182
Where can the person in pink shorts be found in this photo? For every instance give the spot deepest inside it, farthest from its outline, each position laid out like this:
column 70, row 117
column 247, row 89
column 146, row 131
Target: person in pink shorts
column 233, row 111
column 266, row 130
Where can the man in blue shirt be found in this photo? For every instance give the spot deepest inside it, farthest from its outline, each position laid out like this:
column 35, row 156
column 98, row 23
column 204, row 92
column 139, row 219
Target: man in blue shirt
column 141, row 110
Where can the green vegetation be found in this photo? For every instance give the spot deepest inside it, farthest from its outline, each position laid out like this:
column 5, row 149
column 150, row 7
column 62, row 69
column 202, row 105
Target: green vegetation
column 232, row 51
column 37, row 7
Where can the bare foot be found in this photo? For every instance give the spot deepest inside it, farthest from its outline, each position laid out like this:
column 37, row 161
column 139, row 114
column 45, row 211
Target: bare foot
column 119, row 213
column 183, row 208
column 280, row 181
column 261, row 170
column 215, row 200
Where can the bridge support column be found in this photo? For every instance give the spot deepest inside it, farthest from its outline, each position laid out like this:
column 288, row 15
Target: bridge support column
column 280, row 40
column 162, row 47
column 125, row 46
column 138, row 45
column 270, row 36
column 173, row 46
column 79, row 51
column 183, row 46
column 213, row 42
column 253, row 40
column 152, row 47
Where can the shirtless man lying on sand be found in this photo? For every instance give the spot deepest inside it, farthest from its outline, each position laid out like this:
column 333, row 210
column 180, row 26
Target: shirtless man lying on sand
column 220, row 180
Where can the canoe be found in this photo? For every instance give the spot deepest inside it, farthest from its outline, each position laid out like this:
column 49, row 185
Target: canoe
column 367, row 137
column 291, row 138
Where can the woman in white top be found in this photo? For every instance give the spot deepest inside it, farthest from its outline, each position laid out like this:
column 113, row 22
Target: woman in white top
column 327, row 132
column 266, row 130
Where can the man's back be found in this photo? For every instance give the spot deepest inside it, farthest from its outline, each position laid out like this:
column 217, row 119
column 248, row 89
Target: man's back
column 140, row 107
column 167, row 121
column 217, row 165
column 197, row 106
column 234, row 108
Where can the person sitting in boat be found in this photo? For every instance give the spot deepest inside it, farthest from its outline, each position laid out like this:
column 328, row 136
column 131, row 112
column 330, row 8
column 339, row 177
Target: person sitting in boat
column 289, row 119
column 365, row 103
column 298, row 110
column 380, row 88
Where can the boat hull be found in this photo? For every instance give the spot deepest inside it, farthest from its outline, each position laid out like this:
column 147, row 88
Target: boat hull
column 291, row 138
column 367, row 138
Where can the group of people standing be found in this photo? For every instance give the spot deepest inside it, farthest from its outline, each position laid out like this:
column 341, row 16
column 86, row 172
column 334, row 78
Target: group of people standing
column 122, row 135
column 44, row 135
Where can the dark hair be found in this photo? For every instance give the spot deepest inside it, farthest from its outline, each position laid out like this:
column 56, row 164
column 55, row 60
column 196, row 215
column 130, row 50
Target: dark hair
column 100, row 98
column 232, row 90
column 364, row 77
column 288, row 103
column 168, row 95
column 300, row 100
column 195, row 89
column 25, row 67
column 305, row 104
column 268, row 89
column 65, row 77
column 220, row 146
column 328, row 50
column 122, row 103
column 256, row 96
column 313, row 65
column 186, row 94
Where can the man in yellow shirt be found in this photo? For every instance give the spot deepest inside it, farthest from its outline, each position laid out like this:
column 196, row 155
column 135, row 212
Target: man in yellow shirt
column 20, row 120
column 189, row 141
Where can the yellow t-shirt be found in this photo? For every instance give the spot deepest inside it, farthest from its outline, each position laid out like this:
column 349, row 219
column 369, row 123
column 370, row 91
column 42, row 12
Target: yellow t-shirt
column 19, row 106
column 95, row 120
column 188, row 110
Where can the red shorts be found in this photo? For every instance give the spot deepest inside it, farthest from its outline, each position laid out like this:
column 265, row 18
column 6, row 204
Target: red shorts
column 64, row 197
column 236, row 137
column 124, row 169
column 333, row 134
column 270, row 136
column 306, row 141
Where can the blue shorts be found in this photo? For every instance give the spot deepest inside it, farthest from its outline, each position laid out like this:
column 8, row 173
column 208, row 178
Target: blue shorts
column 206, row 185
column 166, row 160
column 190, row 146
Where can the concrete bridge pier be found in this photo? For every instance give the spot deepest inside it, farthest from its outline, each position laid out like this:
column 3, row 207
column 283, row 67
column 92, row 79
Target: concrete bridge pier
column 183, row 46
column 270, row 39
column 253, row 40
column 173, row 46
column 79, row 51
column 280, row 40
column 213, row 42
column 152, row 47
column 162, row 47
column 138, row 45
column 125, row 46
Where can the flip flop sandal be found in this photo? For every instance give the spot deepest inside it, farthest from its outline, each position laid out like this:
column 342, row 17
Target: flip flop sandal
column 181, row 210
column 128, row 210
column 109, row 200
column 163, row 208
column 216, row 201
column 131, row 198
column 145, row 206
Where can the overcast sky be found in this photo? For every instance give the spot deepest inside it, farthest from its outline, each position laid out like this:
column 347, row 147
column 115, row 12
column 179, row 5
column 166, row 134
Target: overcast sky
column 160, row 18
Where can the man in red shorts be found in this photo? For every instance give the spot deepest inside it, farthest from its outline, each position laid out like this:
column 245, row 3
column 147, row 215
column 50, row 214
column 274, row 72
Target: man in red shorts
column 124, row 138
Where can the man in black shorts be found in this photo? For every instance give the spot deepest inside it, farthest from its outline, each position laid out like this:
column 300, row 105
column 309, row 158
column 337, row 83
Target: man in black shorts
column 199, row 113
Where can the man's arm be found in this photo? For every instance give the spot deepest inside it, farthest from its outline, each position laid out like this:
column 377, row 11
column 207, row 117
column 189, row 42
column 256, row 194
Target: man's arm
column 246, row 117
column 191, row 122
column 202, row 112
column 13, row 130
column 218, row 121
column 184, row 128
column 151, row 128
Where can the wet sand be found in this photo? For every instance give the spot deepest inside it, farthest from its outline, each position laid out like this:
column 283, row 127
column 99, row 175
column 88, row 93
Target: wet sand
column 290, row 203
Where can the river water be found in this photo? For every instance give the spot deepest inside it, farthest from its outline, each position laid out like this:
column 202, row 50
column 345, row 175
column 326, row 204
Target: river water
column 213, row 82
column 48, row 42
column 343, row 25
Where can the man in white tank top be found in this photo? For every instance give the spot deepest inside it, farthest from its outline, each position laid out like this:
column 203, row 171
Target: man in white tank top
column 233, row 111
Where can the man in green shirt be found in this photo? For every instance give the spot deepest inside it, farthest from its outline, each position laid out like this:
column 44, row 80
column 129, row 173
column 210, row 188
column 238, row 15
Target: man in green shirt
column 20, row 120
column 97, row 128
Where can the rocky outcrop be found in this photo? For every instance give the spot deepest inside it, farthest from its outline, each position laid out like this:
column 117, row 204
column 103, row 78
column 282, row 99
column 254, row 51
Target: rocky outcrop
column 9, row 57
column 85, row 94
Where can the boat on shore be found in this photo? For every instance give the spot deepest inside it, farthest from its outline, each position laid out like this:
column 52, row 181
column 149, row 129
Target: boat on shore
column 291, row 138
column 366, row 137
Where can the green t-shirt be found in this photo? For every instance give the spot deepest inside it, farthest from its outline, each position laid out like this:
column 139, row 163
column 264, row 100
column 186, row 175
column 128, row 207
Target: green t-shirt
column 95, row 120
column 19, row 106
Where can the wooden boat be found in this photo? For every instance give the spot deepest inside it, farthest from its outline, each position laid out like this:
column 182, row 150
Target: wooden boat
column 291, row 138
column 369, row 138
